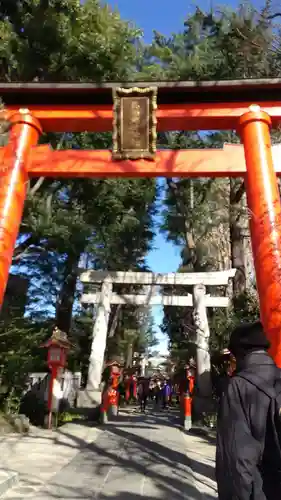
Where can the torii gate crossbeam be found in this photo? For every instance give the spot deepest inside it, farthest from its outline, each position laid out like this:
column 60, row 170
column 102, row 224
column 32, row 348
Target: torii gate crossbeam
column 226, row 162
column 250, row 107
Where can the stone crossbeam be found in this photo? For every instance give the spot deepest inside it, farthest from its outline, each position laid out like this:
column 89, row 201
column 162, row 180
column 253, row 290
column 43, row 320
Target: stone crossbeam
column 156, row 300
column 215, row 278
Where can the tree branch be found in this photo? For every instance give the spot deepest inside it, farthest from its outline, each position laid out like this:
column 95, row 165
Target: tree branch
column 22, row 247
column 273, row 16
column 235, row 196
column 36, row 186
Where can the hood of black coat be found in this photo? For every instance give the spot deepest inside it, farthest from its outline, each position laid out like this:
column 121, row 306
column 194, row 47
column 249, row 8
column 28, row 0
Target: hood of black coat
column 259, row 363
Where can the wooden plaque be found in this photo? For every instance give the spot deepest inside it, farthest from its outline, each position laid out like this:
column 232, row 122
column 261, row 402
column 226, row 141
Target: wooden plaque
column 134, row 123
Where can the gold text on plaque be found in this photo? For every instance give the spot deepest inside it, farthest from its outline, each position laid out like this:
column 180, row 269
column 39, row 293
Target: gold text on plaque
column 134, row 124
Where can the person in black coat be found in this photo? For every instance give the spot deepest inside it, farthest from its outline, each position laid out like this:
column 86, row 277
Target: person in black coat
column 226, row 370
column 242, row 421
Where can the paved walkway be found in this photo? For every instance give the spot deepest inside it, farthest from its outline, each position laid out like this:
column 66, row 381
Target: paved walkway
column 138, row 456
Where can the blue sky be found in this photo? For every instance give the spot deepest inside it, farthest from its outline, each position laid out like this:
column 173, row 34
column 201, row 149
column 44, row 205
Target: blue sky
column 167, row 17
column 162, row 15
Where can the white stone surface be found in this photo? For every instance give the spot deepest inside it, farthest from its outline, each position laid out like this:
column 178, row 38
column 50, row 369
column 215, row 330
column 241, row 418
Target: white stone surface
column 99, row 340
column 135, row 278
column 156, row 300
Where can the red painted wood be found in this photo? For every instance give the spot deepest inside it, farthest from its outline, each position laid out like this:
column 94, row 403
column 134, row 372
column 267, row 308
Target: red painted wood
column 226, row 162
column 198, row 116
column 265, row 222
column 24, row 134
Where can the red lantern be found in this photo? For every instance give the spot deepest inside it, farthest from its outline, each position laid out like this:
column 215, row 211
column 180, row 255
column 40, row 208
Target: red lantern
column 56, row 355
column 58, row 346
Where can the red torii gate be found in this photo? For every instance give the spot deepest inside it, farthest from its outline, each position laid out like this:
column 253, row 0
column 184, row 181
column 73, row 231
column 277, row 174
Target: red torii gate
column 249, row 106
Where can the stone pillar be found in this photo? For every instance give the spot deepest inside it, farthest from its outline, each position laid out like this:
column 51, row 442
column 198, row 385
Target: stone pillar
column 143, row 365
column 203, row 361
column 100, row 329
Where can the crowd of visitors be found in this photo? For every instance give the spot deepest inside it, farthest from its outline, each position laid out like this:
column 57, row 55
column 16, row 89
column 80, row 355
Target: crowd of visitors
column 157, row 391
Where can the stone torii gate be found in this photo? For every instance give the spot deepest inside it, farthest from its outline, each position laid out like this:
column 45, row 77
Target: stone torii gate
column 249, row 106
column 149, row 297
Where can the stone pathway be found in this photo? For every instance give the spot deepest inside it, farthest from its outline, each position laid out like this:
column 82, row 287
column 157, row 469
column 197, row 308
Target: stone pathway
column 38, row 456
column 137, row 456
column 200, row 452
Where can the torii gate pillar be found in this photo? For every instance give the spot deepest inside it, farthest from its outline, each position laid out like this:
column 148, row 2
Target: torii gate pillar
column 265, row 217
column 24, row 133
column 96, row 360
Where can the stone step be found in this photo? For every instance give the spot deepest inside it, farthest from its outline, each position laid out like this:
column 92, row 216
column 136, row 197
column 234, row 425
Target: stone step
column 8, row 479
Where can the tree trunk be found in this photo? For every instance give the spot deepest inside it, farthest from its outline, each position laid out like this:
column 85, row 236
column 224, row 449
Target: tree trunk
column 114, row 320
column 67, row 294
column 183, row 210
column 203, row 361
column 236, row 237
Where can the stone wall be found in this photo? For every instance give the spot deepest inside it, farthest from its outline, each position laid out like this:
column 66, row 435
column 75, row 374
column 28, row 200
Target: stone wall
column 70, row 385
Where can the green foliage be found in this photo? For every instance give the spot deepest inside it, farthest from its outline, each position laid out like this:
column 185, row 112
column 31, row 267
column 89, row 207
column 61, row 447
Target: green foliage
column 107, row 222
column 217, row 45
column 67, row 417
column 3, row 126
column 245, row 309
column 20, row 354
column 20, row 340
column 65, row 40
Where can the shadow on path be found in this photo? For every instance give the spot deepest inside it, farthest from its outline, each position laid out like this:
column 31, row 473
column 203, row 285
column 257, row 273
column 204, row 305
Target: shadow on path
column 147, row 461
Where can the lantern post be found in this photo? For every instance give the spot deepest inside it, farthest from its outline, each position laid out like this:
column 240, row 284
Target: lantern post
column 115, row 373
column 58, row 346
column 187, row 394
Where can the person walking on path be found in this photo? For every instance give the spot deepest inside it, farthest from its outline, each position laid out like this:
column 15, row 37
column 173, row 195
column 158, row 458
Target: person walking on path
column 248, row 456
column 165, row 395
column 157, row 393
column 143, row 390
column 227, row 367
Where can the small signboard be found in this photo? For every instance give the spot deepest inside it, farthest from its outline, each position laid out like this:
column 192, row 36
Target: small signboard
column 134, row 123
